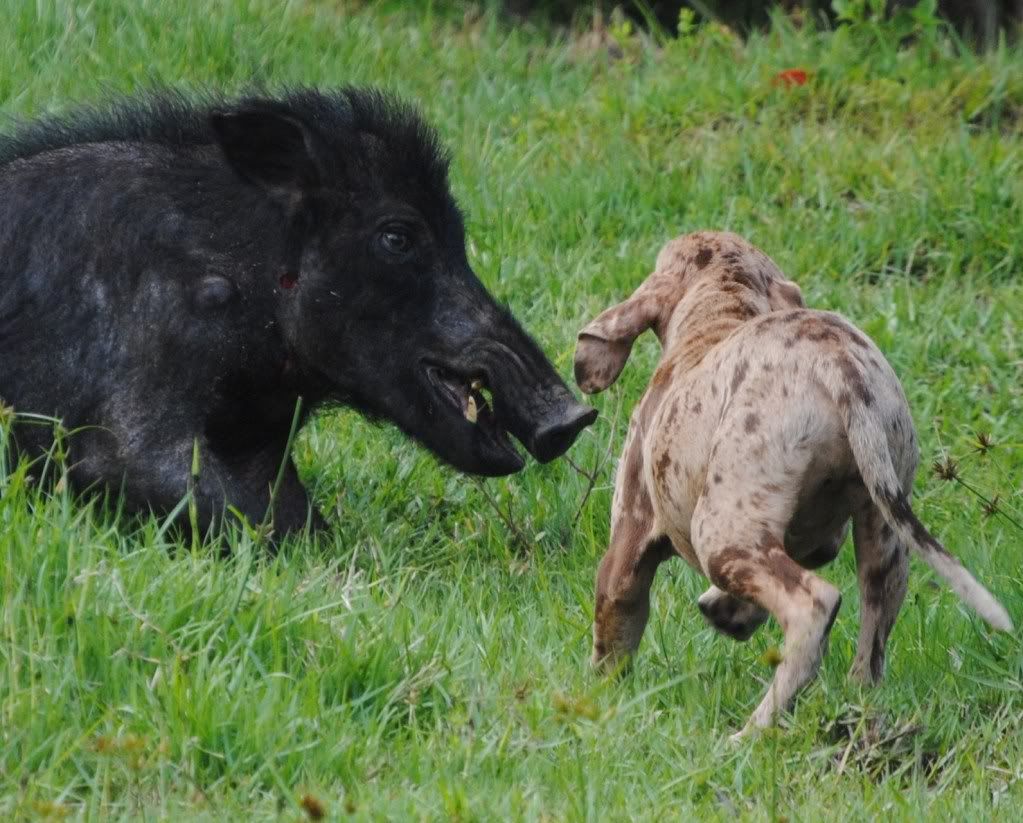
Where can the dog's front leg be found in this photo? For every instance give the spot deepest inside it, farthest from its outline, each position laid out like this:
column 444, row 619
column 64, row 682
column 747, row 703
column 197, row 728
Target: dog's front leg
column 627, row 569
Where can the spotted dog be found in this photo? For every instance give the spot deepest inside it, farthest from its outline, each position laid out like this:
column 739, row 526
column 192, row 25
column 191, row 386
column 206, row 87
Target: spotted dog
column 767, row 427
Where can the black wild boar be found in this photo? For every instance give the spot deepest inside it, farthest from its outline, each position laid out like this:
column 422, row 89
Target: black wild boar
column 174, row 272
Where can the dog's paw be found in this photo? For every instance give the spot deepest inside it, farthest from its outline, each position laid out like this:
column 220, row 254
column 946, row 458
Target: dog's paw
column 741, row 736
column 751, row 731
column 730, row 615
column 611, row 665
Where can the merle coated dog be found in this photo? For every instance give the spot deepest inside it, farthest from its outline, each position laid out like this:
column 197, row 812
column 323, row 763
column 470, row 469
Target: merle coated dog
column 177, row 273
column 766, row 429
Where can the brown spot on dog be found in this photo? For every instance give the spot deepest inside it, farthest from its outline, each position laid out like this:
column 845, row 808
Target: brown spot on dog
column 899, row 505
column 785, row 571
column 847, row 329
column 854, row 379
column 672, row 414
column 752, row 422
column 861, row 341
column 732, row 259
column 744, row 278
column 781, row 565
column 703, row 258
column 662, row 465
column 833, row 321
column 739, row 374
column 717, row 477
column 697, row 407
column 816, row 331
column 746, row 310
column 822, row 335
column 663, row 374
column 731, row 570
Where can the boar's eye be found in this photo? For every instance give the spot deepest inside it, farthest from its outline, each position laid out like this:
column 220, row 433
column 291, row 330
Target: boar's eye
column 395, row 241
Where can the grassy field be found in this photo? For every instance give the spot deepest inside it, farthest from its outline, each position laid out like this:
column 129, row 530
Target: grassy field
column 427, row 659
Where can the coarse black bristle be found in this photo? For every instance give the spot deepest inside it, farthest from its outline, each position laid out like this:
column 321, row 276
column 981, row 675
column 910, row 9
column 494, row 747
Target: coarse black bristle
column 175, row 119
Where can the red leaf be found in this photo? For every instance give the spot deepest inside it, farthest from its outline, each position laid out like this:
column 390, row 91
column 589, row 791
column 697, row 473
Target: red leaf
column 791, row 77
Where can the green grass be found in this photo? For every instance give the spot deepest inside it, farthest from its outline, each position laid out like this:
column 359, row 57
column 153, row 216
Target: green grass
column 427, row 660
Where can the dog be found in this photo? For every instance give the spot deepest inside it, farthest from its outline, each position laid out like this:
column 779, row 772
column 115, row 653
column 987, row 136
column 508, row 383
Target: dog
column 767, row 427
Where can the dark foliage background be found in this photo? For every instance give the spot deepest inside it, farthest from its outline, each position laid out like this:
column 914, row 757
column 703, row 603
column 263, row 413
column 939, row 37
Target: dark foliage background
column 981, row 22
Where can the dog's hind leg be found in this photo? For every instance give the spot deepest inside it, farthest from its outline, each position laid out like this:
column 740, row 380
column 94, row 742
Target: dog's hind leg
column 746, row 558
column 882, row 565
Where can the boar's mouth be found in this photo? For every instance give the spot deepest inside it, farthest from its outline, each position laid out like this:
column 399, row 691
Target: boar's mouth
column 472, row 411
column 482, row 411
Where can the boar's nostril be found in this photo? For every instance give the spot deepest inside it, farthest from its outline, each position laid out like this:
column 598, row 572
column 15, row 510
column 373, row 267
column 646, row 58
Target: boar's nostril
column 553, row 439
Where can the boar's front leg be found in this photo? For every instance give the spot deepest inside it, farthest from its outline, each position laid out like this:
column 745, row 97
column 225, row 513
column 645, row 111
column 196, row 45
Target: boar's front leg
column 158, row 475
column 246, row 482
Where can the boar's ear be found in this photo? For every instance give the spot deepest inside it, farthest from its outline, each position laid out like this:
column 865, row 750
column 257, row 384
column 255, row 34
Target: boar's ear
column 605, row 344
column 268, row 148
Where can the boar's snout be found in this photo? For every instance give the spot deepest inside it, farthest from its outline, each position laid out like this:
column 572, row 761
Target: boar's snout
column 483, row 380
column 559, row 430
column 534, row 403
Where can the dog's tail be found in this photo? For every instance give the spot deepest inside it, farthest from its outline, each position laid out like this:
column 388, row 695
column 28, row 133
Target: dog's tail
column 869, row 447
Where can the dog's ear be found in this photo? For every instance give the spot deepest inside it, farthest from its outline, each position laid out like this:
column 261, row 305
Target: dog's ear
column 784, row 294
column 605, row 344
